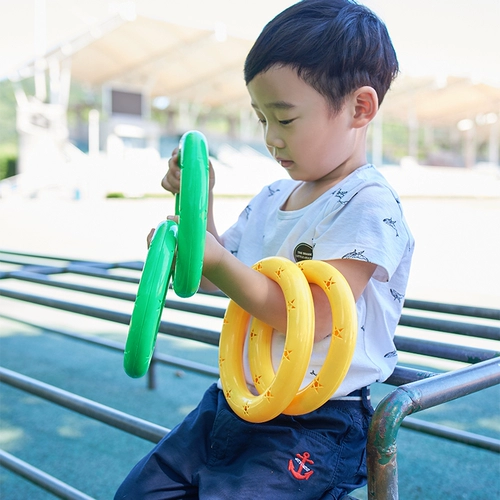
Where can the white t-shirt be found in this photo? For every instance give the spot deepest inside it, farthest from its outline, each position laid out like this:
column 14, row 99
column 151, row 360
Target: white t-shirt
column 359, row 218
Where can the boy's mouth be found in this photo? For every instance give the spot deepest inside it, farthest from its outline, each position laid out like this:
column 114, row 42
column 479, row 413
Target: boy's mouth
column 284, row 163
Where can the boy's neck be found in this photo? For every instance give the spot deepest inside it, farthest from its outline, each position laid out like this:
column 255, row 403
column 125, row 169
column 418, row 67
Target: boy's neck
column 309, row 191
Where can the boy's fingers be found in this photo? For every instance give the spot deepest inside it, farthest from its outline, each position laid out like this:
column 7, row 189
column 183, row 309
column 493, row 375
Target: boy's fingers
column 150, row 236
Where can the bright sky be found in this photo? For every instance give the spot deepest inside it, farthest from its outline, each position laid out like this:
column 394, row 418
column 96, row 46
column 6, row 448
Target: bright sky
column 432, row 37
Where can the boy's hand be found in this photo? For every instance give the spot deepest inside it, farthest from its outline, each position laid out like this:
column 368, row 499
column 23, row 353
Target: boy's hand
column 150, row 236
column 172, row 180
column 213, row 254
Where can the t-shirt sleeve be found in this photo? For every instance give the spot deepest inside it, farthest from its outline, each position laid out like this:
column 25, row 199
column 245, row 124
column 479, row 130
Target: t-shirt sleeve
column 369, row 227
column 232, row 236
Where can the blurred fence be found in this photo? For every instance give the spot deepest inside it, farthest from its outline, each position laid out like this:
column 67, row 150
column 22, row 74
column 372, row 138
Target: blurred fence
column 415, row 390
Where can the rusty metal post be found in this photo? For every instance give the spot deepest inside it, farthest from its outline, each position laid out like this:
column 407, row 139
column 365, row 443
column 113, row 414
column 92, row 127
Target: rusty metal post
column 411, row 398
column 382, row 445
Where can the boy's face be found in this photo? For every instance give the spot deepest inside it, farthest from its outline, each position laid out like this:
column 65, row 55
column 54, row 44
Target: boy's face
column 301, row 131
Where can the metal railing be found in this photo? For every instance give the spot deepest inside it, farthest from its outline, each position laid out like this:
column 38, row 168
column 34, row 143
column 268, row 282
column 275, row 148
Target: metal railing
column 416, row 389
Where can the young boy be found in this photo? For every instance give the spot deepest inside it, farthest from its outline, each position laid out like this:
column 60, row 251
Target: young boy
column 316, row 77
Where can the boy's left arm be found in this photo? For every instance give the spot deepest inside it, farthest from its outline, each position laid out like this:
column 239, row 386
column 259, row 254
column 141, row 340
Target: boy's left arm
column 263, row 298
column 357, row 273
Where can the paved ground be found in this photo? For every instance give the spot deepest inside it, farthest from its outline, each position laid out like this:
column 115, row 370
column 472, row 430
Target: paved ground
column 455, row 261
column 94, row 458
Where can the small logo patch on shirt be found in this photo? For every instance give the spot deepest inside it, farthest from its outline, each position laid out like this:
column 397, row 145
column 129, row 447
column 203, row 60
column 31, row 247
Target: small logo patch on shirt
column 303, row 251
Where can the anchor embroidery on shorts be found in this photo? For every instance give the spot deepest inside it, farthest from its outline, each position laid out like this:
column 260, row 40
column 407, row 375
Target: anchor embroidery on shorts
column 302, row 460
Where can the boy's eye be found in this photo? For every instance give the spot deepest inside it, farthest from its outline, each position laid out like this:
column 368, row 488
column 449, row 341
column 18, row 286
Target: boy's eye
column 285, row 122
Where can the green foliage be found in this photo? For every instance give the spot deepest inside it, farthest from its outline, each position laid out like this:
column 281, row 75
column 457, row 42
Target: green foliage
column 8, row 133
column 8, row 160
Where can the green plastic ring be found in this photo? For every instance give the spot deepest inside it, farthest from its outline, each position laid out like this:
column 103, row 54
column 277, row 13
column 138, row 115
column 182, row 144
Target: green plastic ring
column 186, row 241
column 150, row 300
column 192, row 208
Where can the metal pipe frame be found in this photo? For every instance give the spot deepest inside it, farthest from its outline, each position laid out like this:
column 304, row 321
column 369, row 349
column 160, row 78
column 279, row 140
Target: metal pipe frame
column 459, row 310
column 477, row 312
column 412, row 398
column 468, row 329
column 154, row 433
column 158, row 357
column 441, row 350
column 447, row 326
column 115, row 418
column 414, row 321
column 401, row 375
column 418, row 390
column 442, row 431
column 216, row 312
column 187, row 332
column 40, row 478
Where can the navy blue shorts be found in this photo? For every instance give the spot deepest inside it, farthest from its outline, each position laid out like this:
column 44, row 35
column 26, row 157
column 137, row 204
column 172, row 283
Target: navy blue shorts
column 215, row 455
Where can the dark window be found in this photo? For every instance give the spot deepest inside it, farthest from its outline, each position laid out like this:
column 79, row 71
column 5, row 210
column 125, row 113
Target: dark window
column 128, row 103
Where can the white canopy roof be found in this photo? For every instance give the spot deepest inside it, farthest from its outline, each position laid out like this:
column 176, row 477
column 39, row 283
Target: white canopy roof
column 205, row 67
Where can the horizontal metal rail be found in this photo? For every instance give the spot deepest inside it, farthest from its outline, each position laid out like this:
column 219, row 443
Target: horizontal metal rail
column 456, row 435
column 421, row 389
column 441, row 350
column 135, row 264
column 404, row 375
column 115, row 418
column 158, row 357
column 411, row 398
column 100, row 269
column 216, row 312
column 95, row 272
column 40, row 478
column 154, row 433
column 401, row 375
column 186, row 332
column 458, row 310
column 447, row 326
column 429, row 348
column 456, row 327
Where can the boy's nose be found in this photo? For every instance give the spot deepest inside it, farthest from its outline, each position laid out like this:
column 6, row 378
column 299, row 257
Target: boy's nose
column 273, row 141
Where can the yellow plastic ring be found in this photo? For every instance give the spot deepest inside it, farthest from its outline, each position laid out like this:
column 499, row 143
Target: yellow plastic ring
column 340, row 352
column 296, row 355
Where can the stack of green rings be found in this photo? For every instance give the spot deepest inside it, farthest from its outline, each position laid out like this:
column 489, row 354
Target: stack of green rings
column 186, row 241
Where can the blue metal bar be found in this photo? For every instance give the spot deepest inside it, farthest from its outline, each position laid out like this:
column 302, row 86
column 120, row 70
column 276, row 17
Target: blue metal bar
column 459, row 436
column 183, row 331
column 481, row 331
column 216, row 312
column 128, row 423
column 40, row 478
column 158, row 357
column 476, row 312
column 441, row 350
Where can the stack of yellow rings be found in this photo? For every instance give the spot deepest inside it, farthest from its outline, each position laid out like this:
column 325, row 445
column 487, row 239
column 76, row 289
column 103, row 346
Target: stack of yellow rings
column 279, row 392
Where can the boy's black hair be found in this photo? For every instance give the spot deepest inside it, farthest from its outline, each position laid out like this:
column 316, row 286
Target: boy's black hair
column 336, row 46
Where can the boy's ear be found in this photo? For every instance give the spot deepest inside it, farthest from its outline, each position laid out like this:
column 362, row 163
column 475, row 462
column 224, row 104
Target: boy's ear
column 365, row 101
